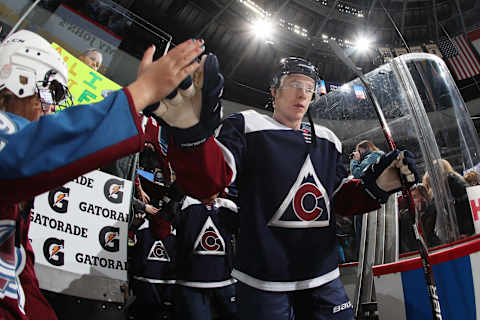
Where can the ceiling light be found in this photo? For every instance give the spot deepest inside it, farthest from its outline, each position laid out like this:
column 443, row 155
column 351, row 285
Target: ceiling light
column 263, row 28
column 362, row 44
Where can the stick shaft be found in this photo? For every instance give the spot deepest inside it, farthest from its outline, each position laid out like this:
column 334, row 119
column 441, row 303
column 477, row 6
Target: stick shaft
column 422, row 248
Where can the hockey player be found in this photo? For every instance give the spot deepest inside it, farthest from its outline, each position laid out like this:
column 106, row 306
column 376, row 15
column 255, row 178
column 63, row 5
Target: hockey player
column 36, row 156
column 290, row 177
column 204, row 259
column 153, row 274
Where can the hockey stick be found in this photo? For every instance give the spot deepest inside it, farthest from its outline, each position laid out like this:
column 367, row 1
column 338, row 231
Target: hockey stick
column 422, row 248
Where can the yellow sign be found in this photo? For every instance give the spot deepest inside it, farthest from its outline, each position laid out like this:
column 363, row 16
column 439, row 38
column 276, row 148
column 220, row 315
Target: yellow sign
column 85, row 84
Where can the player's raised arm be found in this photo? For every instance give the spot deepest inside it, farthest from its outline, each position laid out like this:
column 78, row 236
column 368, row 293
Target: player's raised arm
column 190, row 114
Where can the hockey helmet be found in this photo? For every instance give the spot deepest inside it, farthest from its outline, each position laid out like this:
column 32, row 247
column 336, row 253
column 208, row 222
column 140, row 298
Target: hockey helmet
column 30, row 65
column 294, row 65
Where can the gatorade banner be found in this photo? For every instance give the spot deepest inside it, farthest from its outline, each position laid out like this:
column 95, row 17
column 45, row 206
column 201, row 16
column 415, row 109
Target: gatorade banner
column 85, row 84
column 82, row 226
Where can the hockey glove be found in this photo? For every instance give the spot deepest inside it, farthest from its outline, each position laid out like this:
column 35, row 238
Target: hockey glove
column 193, row 110
column 382, row 178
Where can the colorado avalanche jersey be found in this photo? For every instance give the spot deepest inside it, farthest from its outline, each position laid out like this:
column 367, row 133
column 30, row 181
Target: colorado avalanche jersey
column 204, row 243
column 286, row 194
column 39, row 156
column 153, row 260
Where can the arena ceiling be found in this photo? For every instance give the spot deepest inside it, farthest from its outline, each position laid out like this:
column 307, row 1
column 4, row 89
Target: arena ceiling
column 299, row 29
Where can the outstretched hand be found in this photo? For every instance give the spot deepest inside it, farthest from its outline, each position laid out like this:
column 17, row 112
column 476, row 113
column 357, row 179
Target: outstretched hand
column 192, row 111
column 182, row 107
column 156, row 79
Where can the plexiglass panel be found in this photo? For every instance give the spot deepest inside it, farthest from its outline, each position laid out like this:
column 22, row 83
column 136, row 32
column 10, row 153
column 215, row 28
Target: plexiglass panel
column 426, row 115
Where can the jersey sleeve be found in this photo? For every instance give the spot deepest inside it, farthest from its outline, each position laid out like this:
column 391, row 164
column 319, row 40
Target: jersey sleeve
column 352, row 199
column 207, row 169
column 40, row 155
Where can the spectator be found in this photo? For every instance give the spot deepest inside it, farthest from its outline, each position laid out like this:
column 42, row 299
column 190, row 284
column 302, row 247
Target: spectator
column 37, row 155
column 457, row 185
column 427, row 215
column 365, row 154
column 472, row 177
column 92, row 58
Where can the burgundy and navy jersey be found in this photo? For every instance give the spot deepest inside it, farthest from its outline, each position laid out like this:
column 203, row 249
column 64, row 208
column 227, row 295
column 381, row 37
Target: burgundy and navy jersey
column 153, row 260
column 41, row 155
column 288, row 190
column 204, row 243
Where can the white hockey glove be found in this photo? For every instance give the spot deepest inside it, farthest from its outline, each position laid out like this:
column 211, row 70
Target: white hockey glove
column 382, row 178
column 192, row 111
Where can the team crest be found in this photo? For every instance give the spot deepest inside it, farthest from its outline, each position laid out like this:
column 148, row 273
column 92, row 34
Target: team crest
column 209, row 241
column 12, row 263
column 306, row 204
column 158, row 252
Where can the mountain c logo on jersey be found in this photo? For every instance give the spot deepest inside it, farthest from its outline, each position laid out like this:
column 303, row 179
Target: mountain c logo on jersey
column 306, row 204
column 158, row 252
column 58, row 199
column 12, row 263
column 8, row 283
column 209, row 241
column 52, row 251
column 113, row 190
column 109, row 238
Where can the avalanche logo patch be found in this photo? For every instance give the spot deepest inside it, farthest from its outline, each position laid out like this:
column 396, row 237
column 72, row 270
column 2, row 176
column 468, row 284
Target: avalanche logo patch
column 8, row 283
column 209, row 241
column 12, row 263
column 306, row 204
column 158, row 252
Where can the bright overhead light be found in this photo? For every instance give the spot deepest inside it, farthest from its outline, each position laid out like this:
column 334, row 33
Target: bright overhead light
column 263, row 28
column 362, row 44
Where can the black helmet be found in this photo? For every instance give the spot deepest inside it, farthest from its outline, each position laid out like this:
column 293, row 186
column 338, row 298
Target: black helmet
column 294, row 65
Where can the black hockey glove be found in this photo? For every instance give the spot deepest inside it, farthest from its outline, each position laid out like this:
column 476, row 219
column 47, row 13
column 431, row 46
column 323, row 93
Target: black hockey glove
column 192, row 112
column 382, row 178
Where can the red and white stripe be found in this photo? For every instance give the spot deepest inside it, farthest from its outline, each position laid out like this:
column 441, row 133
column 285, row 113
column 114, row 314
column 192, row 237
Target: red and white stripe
column 465, row 64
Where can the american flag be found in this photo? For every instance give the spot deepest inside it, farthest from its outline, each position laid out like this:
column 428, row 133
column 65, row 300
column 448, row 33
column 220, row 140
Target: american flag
column 460, row 56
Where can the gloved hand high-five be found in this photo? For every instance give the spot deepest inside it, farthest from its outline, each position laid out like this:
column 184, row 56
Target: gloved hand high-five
column 192, row 111
column 157, row 78
column 382, row 178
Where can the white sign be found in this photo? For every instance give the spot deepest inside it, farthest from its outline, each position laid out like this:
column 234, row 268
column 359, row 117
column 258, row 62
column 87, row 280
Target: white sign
column 474, row 199
column 82, row 226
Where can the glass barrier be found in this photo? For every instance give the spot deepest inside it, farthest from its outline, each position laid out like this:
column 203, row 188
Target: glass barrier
column 427, row 116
